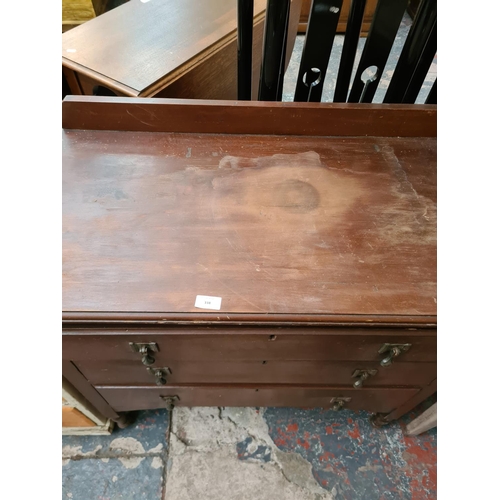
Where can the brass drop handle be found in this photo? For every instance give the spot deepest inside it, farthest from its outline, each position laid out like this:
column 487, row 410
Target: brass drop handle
column 145, row 349
column 359, row 383
column 361, row 376
column 339, row 403
column 160, row 379
column 160, row 374
column 146, row 359
column 393, row 351
column 170, row 401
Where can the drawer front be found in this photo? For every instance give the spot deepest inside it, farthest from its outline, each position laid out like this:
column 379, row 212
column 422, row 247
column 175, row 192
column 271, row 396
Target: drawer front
column 264, row 372
column 143, row 398
column 244, row 344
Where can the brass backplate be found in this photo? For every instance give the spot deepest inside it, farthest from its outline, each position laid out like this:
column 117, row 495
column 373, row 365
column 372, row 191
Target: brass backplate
column 336, row 400
column 170, row 401
column 388, row 347
column 137, row 346
column 165, row 370
column 358, row 373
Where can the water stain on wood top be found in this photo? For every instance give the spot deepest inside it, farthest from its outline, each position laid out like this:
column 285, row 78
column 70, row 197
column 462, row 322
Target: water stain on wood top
column 281, row 225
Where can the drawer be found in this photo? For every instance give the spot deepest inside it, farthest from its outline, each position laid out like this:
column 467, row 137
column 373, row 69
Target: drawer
column 250, row 344
column 264, row 372
column 143, row 398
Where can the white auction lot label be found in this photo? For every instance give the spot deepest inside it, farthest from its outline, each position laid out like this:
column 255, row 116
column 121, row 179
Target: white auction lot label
column 207, row 302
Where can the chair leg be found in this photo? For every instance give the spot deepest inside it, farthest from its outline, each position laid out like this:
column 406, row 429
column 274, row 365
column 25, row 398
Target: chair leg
column 423, row 423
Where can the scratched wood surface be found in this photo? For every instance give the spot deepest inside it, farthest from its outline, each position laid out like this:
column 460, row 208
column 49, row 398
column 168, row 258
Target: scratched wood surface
column 138, row 44
column 249, row 117
column 272, row 224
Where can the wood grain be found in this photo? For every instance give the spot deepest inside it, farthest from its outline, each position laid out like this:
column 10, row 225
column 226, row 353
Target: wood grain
column 83, row 386
column 139, row 44
column 322, row 247
column 427, row 420
column 72, row 398
column 244, row 117
column 82, row 319
column 281, row 225
column 247, row 344
column 72, row 82
column 216, row 78
column 422, row 395
column 230, row 371
column 71, row 417
column 212, row 74
column 376, row 400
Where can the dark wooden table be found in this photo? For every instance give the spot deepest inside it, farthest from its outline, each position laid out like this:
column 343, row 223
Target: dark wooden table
column 315, row 225
column 165, row 48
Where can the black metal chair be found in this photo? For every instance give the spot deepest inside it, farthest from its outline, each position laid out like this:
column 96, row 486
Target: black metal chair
column 410, row 72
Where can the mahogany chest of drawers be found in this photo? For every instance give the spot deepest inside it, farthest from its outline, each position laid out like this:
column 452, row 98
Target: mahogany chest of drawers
column 249, row 254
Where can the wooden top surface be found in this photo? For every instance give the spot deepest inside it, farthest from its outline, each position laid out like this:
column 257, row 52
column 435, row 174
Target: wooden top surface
column 290, row 225
column 137, row 44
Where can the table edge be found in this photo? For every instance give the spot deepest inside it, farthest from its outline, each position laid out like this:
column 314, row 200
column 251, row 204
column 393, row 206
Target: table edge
column 276, row 319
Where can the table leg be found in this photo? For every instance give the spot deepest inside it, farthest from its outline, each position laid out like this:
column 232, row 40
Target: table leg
column 72, row 81
column 423, row 423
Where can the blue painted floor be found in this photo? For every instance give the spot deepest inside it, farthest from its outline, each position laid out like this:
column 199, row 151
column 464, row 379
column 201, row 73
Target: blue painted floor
column 359, row 462
column 128, row 464
column 348, row 458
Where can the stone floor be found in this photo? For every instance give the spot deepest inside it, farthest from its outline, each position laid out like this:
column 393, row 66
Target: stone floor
column 252, row 453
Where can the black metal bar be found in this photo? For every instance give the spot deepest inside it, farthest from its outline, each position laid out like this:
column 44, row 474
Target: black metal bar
column 432, row 97
column 245, row 44
column 353, row 29
column 321, row 29
column 410, row 55
column 274, row 50
column 383, row 30
column 422, row 68
column 283, row 56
